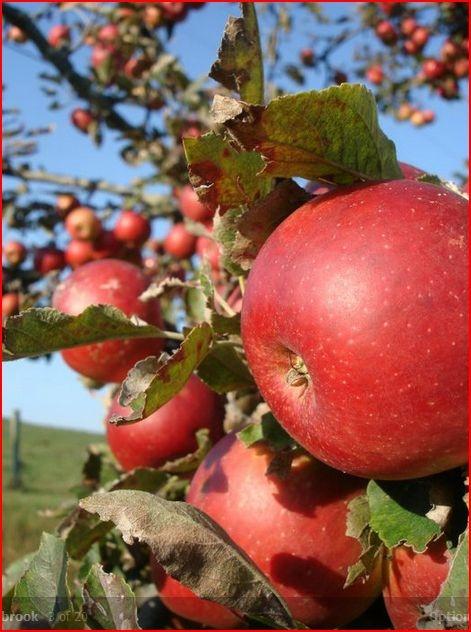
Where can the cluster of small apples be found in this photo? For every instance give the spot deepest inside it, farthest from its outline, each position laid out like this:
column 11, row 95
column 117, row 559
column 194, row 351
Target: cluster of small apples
column 441, row 73
column 413, row 35
column 89, row 241
column 444, row 73
column 408, row 112
column 180, row 243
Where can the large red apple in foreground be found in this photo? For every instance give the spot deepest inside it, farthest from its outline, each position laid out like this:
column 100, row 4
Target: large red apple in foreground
column 292, row 528
column 354, row 326
column 116, row 283
column 168, row 433
column 414, row 580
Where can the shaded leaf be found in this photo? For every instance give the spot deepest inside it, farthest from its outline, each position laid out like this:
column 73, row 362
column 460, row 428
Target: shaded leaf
column 222, row 176
column 11, row 576
column 43, row 588
column 450, row 609
column 154, row 381
column 79, row 531
column 108, row 601
column 36, row 331
column 229, row 325
column 226, row 232
column 223, row 370
column 331, row 134
column 358, row 519
column 190, row 462
column 398, row 513
column 255, row 226
column 194, row 550
column 239, row 66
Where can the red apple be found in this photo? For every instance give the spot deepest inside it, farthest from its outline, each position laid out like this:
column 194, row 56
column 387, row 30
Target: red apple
column 354, row 326
column 131, row 228
column 82, row 223
column 153, row 16
column 420, row 36
column 15, row 252
column 15, row 34
column 293, row 529
column 135, row 67
column 10, row 304
column 448, row 88
column 414, row 580
column 49, row 259
column 126, row 13
column 169, row 433
column 191, row 129
column 179, row 242
column 306, row 57
column 174, row 11
column 78, row 252
column 408, row 26
column 404, row 111
column 190, row 205
column 386, row 32
column 109, row 34
column 59, row 35
column 66, row 202
column 461, row 68
column 450, row 51
column 433, row 69
column 116, row 283
column 410, row 172
column 208, row 250
column 375, row 74
column 82, row 119
column 429, row 116
column 411, row 48
column 417, row 118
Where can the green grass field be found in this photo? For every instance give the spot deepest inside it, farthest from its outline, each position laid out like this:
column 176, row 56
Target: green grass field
column 52, row 460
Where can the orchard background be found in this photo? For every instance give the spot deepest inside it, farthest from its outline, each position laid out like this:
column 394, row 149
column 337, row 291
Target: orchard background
column 103, row 106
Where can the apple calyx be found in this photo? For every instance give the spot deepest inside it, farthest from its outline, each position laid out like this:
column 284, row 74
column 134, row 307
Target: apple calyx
column 298, row 375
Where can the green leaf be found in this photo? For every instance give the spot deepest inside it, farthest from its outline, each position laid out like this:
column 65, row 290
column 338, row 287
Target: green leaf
column 109, row 603
column 153, row 381
column 196, row 304
column 268, row 430
column 226, row 232
column 79, row 531
column 398, row 513
column 223, row 176
column 190, row 462
column 43, row 588
column 332, row 134
column 223, row 370
column 240, row 64
column 194, row 550
column 450, row 609
column 358, row 527
column 37, row 331
column 11, row 576
column 229, row 325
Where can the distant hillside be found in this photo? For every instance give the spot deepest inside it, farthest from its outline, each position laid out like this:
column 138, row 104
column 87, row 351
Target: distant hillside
column 52, row 461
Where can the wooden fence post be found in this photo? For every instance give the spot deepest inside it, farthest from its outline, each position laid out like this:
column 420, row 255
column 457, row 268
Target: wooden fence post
column 15, row 438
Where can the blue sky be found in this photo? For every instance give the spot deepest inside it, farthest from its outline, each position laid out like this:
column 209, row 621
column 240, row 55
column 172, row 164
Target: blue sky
column 52, row 394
